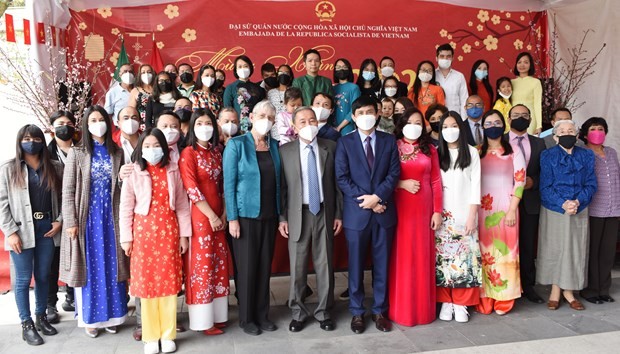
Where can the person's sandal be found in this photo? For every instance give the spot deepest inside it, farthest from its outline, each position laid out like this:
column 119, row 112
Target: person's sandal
column 576, row 305
column 553, row 305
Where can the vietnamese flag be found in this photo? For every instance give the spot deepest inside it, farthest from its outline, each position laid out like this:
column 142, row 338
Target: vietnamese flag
column 26, row 31
column 41, row 33
column 156, row 62
column 53, row 32
column 10, row 28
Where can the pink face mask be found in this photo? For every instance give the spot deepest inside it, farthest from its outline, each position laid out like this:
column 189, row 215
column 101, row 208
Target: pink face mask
column 596, row 137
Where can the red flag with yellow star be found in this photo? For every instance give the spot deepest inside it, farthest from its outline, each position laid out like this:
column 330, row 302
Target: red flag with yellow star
column 41, row 33
column 10, row 28
column 26, row 31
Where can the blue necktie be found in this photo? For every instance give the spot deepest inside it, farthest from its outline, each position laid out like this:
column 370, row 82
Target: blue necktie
column 314, row 194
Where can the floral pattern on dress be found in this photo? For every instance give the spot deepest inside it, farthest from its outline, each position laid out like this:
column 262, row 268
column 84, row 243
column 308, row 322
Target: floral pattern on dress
column 243, row 99
column 207, row 259
column 407, row 151
column 142, row 101
column 156, row 265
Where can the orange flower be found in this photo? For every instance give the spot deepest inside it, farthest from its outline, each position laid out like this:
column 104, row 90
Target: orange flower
column 487, row 202
column 520, row 175
column 487, row 259
column 495, row 278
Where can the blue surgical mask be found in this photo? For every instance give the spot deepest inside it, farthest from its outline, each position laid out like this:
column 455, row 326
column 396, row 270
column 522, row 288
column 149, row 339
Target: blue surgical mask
column 475, row 112
column 32, row 147
column 481, row 74
column 368, row 75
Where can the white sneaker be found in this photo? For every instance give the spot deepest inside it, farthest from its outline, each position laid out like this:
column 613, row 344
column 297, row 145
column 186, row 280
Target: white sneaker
column 151, row 348
column 447, row 309
column 460, row 314
column 168, row 346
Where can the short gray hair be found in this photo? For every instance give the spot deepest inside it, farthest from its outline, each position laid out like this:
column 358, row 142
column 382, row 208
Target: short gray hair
column 557, row 124
column 227, row 110
column 264, row 105
column 301, row 109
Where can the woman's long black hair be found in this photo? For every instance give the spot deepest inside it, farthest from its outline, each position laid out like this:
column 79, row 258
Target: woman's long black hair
column 17, row 177
column 464, row 157
column 485, row 141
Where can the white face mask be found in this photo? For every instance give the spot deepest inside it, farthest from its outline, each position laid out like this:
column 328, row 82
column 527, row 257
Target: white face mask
column 229, row 128
column 365, row 121
column 153, row 155
column 127, row 78
column 172, row 135
column 321, row 113
column 412, row 131
column 450, row 135
column 444, row 63
column 390, row 91
column 207, row 81
column 504, row 96
column 97, row 129
column 204, row 132
column 146, row 78
column 130, row 127
column 425, row 77
column 262, row 126
column 309, row 132
column 243, row 73
column 387, row 71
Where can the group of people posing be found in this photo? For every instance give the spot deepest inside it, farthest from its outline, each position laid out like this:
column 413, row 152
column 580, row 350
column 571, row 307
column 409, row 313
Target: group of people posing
column 170, row 189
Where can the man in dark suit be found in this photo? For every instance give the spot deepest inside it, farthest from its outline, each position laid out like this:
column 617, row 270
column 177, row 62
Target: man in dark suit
column 473, row 122
column 529, row 208
column 323, row 106
column 367, row 171
column 387, row 67
column 311, row 216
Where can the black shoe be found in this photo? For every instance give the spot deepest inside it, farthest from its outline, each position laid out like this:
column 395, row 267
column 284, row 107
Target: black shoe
column 594, row 299
column 357, row 324
column 268, row 326
column 296, row 326
column 251, row 329
column 52, row 315
column 327, row 325
column 30, row 334
column 382, row 323
column 68, row 305
column 43, row 326
column 606, row 298
column 345, row 295
column 533, row 297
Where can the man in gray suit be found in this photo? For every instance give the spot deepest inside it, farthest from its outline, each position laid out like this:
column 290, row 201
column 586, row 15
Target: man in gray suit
column 311, row 214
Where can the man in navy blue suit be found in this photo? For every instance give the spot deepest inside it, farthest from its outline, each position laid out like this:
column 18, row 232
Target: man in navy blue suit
column 367, row 171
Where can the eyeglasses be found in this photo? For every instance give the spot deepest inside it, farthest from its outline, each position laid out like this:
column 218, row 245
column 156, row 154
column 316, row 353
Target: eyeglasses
column 477, row 105
column 497, row 123
column 522, row 115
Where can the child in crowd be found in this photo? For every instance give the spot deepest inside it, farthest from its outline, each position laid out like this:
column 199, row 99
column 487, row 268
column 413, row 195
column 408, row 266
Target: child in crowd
column 283, row 129
column 503, row 103
column 386, row 123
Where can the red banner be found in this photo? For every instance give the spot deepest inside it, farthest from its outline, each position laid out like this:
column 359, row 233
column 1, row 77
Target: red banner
column 10, row 28
column 186, row 32
column 27, row 39
column 41, row 33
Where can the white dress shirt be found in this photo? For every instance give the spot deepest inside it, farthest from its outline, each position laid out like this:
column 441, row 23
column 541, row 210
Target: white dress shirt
column 116, row 99
column 373, row 140
column 303, row 156
column 127, row 148
column 455, row 88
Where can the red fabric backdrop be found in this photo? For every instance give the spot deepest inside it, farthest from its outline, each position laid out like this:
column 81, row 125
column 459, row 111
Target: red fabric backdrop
column 198, row 33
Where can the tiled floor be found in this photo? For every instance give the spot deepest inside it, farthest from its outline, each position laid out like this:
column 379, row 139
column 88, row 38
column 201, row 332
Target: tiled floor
column 528, row 328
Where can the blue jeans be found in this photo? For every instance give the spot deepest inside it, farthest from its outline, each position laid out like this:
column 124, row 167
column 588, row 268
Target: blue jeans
column 37, row 260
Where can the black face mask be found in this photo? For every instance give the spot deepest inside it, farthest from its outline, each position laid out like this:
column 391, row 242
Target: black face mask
column 520, row 124
column 271, row 81
column 64, row 132
column 567, row 141
column 186, row 77
column 284, row 79
column 343, row 74
column 434, row 126
column 165, row 86
column 218, row 83
column 184, row 114
column 173, row 76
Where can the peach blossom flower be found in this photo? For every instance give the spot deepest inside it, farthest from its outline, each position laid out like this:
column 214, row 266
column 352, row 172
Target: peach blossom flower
column 466, row 48
column 518, row 44
column 490, row 42
column 105, row 12
column 483, row 16
column 189, row 35
column 171, row 11
column 496, row 20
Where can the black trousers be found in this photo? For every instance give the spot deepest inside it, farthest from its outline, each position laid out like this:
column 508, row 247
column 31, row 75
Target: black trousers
column 528, row 235
column 603, row 238
column 52, row 295
column 253, row 255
